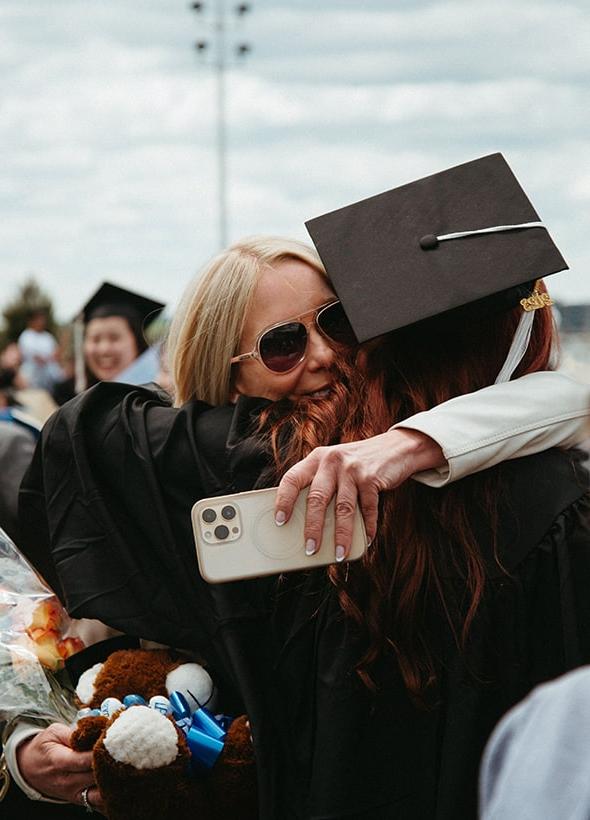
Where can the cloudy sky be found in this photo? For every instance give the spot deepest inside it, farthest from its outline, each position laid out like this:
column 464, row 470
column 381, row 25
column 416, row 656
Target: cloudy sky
column 107, row 125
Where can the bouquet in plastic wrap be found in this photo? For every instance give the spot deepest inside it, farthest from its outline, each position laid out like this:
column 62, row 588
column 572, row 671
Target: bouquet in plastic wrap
column 34, row 643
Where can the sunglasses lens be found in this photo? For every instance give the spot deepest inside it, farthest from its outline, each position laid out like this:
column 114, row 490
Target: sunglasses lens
column 333, row 323
column 281, row 348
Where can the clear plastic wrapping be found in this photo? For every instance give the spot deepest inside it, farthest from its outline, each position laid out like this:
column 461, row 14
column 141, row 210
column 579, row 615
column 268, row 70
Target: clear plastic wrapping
column 34, row 643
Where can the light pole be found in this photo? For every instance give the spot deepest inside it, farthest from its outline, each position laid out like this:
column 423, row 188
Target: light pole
column 221, row 60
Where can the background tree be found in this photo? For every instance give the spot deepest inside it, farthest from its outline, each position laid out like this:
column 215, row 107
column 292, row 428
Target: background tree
column 29, row 297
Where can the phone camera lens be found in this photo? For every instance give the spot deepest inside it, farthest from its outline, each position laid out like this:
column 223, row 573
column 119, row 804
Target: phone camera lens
column 228, row 513
column 209, row 515
column 221, row 532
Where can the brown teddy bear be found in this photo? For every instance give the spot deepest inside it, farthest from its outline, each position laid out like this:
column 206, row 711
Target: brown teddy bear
column 142, row 762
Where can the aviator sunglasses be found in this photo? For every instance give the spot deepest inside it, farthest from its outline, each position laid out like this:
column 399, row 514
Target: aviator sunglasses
column 281, row 347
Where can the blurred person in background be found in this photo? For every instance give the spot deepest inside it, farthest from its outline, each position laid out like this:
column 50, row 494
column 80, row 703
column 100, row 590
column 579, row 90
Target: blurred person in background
column 14, row 405
column 28, row 406
column 10, row 361
column 9, row 364
column 38, row 349
column 537, row 760
column 17, row 444
column 110, row 341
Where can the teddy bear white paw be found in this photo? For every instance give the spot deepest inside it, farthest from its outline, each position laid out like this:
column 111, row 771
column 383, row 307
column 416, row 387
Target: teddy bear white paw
column 143, row 738
column 85, row 687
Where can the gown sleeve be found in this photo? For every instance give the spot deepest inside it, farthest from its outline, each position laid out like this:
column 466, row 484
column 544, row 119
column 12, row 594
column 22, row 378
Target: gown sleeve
column 96, row 521
column 107, row 503
column 504, row 421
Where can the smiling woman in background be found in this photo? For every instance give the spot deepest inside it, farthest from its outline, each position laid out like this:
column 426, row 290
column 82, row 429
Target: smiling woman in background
column 112, row 342
column 109, row 337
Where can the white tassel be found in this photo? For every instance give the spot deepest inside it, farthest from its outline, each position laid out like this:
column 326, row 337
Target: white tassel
column 518, row 348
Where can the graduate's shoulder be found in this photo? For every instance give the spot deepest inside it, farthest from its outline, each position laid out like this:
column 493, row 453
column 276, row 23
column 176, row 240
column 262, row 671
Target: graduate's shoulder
column 109, row 403
column 550, row 480
column 111, row 411
column 535, row 493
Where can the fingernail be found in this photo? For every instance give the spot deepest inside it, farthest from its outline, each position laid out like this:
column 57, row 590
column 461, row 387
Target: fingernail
column 280, row 518
column 340, row 551
column 309, row 546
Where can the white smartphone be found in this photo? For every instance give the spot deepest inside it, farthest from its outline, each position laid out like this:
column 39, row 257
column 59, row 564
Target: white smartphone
column 236, row 537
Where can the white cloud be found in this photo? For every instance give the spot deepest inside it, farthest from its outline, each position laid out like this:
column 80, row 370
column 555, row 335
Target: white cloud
column 394, row 41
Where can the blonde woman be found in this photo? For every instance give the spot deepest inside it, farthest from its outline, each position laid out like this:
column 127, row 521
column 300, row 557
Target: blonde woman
column 261, row 322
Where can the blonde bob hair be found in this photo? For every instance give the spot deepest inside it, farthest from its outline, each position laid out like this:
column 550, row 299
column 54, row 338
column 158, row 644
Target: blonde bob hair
column 207, row 327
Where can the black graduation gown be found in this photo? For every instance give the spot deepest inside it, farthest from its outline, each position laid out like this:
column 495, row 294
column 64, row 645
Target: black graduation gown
column 113, row 481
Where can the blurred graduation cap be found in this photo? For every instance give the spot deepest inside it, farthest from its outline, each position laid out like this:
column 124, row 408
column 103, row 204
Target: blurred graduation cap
column 466, row 235
column 113, row 300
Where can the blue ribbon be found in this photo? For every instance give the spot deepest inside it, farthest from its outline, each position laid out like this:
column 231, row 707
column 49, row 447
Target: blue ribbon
column 205, row 733
column 180, row 711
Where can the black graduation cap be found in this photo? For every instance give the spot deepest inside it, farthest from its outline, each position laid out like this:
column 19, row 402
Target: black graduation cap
column 109, row 296
column 433, row 245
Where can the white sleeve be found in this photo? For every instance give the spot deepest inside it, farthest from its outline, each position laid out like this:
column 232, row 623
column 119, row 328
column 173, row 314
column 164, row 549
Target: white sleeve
column 504, row 421
column 21, row 732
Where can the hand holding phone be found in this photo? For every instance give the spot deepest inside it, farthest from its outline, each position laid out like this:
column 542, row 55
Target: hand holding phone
column 236, row 537
column 356, row 472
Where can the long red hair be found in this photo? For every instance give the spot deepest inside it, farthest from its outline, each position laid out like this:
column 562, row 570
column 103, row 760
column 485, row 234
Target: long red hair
column 397, row 592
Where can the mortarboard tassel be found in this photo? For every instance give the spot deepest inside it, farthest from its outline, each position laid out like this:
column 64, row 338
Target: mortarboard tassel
column 79, row 364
